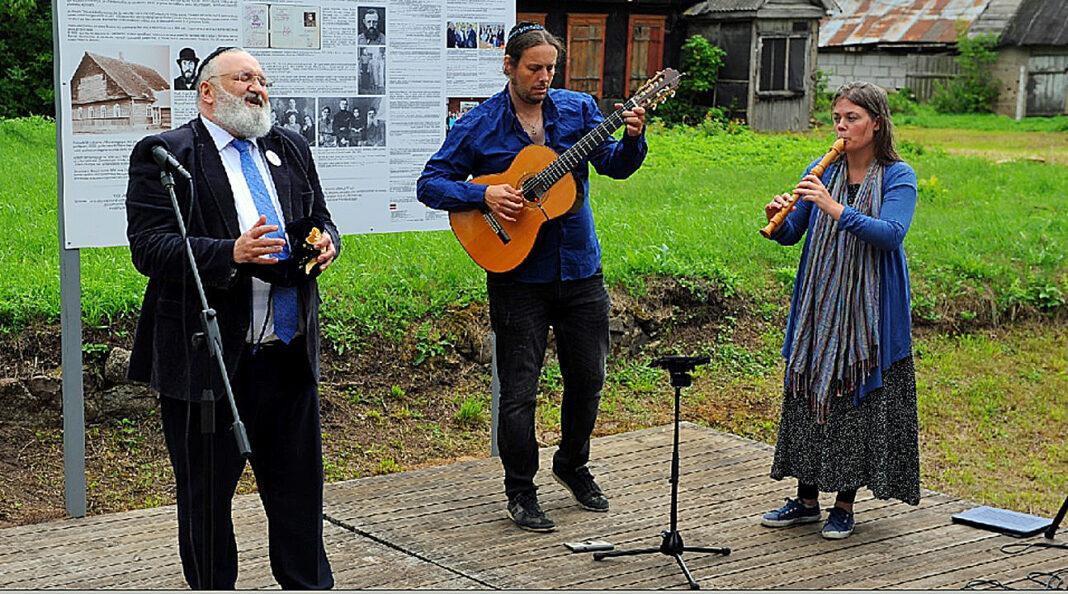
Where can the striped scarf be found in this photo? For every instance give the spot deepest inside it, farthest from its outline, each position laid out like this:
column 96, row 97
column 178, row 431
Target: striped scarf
column 836, row 331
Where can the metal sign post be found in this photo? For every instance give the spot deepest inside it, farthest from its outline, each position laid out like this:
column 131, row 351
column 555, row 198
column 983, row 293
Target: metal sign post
column 70, row 292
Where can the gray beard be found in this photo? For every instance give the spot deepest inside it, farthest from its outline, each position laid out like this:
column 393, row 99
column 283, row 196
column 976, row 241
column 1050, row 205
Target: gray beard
column 240, row 119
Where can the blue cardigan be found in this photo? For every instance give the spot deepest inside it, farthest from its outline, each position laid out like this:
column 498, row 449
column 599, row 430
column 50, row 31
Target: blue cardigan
column 887, row 234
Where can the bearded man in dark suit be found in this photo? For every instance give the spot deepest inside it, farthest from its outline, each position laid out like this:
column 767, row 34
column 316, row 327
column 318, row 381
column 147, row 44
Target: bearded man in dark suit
column 250, row 179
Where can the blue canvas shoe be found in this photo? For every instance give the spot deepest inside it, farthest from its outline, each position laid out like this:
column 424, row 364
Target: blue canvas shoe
column 794, row 512
column 839, row 524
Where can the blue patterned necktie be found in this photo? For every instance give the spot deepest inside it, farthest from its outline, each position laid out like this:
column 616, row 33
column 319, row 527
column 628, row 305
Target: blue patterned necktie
column 284, row 301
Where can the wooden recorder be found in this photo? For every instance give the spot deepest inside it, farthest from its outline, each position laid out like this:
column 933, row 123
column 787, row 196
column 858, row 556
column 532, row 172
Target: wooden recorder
column 773, row 225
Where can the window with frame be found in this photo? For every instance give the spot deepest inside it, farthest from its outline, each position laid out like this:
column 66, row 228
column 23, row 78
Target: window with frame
column 645, row 49
column 585, row 53
column 782, row 64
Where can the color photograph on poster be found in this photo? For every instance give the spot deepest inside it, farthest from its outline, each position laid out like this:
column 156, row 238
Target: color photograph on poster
column 456, row 107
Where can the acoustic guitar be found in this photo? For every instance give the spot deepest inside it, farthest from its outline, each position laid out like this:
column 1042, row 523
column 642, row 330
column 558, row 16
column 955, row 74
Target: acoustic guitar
column 549, row 189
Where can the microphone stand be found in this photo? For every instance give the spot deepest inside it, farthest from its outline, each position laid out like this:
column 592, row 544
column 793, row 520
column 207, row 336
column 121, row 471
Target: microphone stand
column 211, row 338
column 671, row 544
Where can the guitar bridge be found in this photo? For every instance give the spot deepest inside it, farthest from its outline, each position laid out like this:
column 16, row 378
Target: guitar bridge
column 496, row 226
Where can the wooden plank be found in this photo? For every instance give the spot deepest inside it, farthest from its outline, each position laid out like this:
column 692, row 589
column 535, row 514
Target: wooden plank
column 446, row 528
column 775, row 549
column 982, row 560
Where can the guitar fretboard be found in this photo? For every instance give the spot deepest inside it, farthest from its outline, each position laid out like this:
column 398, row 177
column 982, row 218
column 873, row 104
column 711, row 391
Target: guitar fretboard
column 577, row 154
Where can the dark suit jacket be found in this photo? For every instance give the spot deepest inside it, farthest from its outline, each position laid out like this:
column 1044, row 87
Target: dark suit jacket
column 162, row 354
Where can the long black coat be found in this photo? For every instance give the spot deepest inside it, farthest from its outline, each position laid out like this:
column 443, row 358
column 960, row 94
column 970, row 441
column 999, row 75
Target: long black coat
column 170, row 314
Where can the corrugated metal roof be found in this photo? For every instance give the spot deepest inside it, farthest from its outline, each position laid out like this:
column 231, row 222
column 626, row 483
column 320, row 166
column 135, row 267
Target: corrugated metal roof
column 995, row 17
column 718, row 6
column 1038, row 22
column 864, row 22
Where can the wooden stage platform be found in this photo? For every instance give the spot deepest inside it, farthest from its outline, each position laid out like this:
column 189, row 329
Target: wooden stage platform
column 445, row 528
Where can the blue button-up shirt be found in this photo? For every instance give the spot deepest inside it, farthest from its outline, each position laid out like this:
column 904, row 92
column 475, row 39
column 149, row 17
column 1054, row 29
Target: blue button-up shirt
column 486, row 140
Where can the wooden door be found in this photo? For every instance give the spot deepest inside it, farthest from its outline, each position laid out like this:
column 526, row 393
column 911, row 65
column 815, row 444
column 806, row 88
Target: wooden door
column 533, row 17
column 1047, row 85
column 585, row 53
column 645, row 49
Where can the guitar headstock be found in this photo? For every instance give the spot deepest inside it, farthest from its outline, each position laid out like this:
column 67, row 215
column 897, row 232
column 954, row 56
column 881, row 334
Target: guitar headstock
column 657, row 89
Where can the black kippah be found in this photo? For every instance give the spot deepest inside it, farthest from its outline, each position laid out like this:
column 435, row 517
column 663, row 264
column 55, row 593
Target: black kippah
column 523, row 27
column 212, row 56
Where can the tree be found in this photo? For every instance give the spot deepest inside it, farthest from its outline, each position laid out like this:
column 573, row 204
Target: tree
column 975, row 89
column 700, row 65
column 26, row 58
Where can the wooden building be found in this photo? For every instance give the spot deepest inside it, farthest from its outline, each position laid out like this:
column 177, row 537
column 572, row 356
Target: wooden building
column 902, row 44
column 613, row 46
column 1032, row 61
column 112, row 95
column 768, row 72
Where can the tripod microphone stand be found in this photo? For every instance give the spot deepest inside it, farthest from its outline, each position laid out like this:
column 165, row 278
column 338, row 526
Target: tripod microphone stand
column 211, row 339
column 680, row 368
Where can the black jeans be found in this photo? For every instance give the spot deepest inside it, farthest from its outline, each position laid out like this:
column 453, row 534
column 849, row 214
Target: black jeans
column 279, row 405
column 521, row 314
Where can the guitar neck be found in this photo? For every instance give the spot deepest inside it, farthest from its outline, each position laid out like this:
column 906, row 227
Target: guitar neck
column 572, row 157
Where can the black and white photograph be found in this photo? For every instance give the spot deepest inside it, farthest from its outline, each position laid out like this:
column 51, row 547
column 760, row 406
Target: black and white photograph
column 373, row 110
column 347, row 122
column 187, row 61
column 463, row 35
column 372, row 71
column 296, row 114
column 491, row 35
column 372, row 21
column 121, row 89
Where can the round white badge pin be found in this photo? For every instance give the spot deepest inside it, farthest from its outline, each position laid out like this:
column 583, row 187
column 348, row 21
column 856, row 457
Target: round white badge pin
column 272, row 158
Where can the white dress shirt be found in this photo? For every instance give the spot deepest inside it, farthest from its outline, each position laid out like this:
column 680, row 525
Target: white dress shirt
column 247, row 215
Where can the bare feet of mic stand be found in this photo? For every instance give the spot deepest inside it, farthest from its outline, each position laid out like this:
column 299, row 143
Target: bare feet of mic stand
column 680, row 368
column 671, row 546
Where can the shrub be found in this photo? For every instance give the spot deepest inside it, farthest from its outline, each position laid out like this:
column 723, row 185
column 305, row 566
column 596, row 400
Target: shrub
column 975, row 89
column 25, row 73
column 902, row 102
column 700, row 64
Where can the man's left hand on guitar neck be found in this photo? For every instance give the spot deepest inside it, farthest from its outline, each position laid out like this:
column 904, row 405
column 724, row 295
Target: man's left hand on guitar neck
column 634, row 119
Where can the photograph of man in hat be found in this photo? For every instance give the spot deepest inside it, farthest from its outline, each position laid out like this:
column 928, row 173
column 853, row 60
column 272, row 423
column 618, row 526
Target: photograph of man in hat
column 187, row 63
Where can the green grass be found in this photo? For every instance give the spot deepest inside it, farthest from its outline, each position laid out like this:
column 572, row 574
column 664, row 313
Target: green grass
column 925, row 117
column 992, row 410
column 985, row 233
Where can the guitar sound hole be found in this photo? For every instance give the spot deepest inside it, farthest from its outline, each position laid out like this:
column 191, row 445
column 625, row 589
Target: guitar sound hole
column 532, row 192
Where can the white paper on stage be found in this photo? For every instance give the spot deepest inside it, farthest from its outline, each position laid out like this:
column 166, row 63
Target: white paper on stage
column 372, row 86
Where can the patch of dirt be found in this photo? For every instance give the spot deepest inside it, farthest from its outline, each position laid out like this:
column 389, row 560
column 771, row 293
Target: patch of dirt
column 400, row 404
column 392, row 405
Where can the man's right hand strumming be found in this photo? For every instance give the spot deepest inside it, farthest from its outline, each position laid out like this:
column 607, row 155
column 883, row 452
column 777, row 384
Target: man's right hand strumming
column 778, row 203
column 252, row 246
column 504, row 201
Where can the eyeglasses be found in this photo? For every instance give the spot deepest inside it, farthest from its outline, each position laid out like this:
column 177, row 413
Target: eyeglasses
column 246, row 77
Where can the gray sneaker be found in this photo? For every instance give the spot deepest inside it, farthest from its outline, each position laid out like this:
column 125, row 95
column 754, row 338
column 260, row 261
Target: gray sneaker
column 526, row 513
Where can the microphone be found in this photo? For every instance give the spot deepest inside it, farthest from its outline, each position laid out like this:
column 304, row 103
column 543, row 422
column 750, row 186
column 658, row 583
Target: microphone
column 167, row 162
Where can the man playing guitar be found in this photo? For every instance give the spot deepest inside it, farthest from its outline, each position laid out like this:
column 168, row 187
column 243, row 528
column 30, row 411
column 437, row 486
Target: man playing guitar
column 560, row 283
